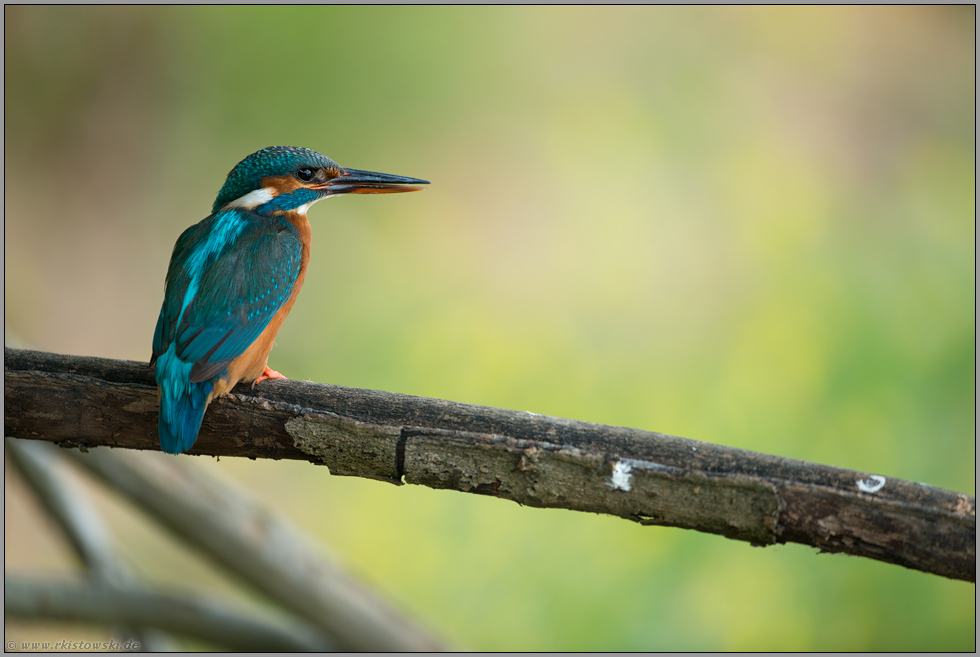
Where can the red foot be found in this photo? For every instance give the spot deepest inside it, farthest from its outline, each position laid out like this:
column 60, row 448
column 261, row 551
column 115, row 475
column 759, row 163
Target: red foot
column 267, row 374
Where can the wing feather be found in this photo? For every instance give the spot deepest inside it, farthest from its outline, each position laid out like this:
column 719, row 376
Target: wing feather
column 236, row 287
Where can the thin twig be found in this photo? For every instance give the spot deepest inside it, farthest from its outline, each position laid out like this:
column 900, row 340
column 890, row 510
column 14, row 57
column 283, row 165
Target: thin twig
column 99, row 602
column 535, row 460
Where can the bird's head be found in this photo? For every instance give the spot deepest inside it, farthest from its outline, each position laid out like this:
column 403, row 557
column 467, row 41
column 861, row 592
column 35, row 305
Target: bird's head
column 284, row 178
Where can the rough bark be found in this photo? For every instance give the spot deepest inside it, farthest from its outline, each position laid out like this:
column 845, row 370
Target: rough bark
column 532, row 459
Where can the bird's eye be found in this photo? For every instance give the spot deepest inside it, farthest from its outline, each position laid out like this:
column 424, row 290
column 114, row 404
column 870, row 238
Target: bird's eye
column 305, row 174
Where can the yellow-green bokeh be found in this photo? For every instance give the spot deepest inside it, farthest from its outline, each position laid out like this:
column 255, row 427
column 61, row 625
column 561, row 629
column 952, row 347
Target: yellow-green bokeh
column 750, row 226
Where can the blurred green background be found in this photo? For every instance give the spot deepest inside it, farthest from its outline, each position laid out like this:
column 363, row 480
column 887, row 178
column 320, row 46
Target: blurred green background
column 749, row 226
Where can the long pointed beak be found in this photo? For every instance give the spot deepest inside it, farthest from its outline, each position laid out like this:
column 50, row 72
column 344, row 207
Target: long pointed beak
column 355, row 181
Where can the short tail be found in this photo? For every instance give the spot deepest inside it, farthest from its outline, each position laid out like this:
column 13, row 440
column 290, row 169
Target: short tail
column 182, row 404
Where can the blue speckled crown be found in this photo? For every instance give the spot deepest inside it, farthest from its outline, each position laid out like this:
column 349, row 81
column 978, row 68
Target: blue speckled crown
column 273, row 161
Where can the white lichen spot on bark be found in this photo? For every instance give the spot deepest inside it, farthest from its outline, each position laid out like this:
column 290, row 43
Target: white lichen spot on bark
column 872, row 484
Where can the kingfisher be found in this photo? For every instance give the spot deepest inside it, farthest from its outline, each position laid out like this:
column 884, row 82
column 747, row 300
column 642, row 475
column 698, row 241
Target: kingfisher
column 234, row 277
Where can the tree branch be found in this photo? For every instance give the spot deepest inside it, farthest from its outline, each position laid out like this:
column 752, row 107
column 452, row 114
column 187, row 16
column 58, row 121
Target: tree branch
column 61, row 493
column 100, row 602
column 257, row 546
column 535, row 460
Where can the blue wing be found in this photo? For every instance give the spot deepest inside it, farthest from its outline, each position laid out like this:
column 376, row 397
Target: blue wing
column 228, row 276
column 226, row 281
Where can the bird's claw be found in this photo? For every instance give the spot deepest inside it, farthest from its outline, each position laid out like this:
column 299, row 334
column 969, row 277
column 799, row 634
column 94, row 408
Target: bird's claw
column 267, row 373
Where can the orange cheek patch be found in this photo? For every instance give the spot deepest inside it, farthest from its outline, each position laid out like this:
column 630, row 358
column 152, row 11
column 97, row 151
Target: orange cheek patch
column 282, row 184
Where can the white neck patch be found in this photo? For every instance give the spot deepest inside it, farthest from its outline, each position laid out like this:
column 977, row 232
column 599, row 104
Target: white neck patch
column 252, row 200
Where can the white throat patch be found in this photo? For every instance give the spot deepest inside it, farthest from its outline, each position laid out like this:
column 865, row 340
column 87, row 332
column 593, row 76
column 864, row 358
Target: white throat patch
column 306, row 206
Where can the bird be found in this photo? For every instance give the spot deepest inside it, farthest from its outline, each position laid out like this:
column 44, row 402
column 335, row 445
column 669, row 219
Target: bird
column 234, row 276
